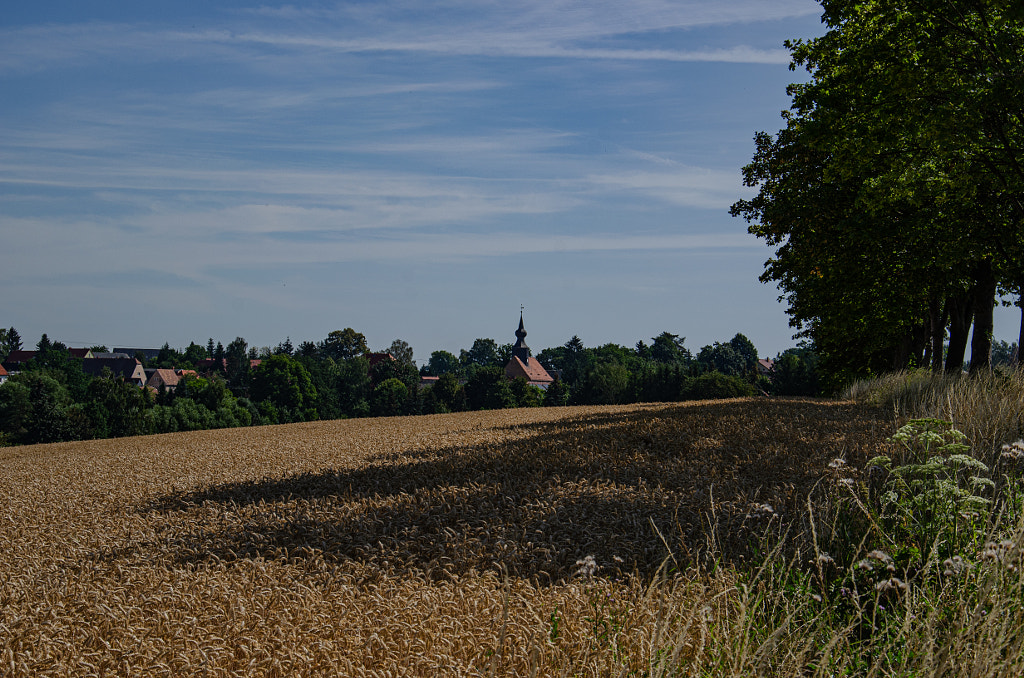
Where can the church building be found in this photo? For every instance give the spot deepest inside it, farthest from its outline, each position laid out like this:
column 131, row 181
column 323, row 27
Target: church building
column 523, row 364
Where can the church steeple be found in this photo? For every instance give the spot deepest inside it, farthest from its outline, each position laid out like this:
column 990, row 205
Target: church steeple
column 520, row 349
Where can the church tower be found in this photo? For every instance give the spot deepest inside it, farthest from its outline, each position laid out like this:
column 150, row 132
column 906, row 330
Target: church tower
column 520, row 349
column 521, row 364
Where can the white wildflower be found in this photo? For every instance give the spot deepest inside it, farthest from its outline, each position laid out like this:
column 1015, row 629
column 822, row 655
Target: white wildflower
column 761, row 511
column 1013, row 452
column 587, row 567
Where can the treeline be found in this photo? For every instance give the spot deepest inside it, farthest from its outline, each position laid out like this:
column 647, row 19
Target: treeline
column 51, row 399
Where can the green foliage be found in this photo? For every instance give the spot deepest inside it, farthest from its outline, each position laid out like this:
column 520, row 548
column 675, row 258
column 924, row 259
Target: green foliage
column 237, row 366
column 713, row 385
column 447, row 394
column 488, row 389
column 556, row 394
column 661, row 383
column 15, row 409
column 342, row 345
column 894, row 193
column 929, row 493
column 286, row 384
column 402, row 352
column 34, row 409
column 10, row 340
column 117, row 408
column 525, row 395
column 193, row 354
column 483, row 353
column 389, row 398
column 668, row 349
column 353, row 386
column 393, row 369
column 795, row 373
column 442, row 362
column 722, row 358
column 606, row 384
column 168, row 358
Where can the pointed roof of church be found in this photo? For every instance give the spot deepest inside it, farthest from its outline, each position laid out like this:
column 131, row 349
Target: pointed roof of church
column 520, row 349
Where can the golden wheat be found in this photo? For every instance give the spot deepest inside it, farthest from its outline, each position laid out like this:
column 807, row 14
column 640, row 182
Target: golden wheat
column 436, row 545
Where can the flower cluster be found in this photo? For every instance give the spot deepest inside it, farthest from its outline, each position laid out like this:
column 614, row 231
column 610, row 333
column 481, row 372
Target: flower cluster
column 955, row 567
column 1013, row 452
column 1005, row 553
column 877, row 558
column 587, row 567
column 891, row 585
column 761, row 511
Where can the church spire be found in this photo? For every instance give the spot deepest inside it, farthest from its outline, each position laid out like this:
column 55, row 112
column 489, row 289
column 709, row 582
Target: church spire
column 520, row 349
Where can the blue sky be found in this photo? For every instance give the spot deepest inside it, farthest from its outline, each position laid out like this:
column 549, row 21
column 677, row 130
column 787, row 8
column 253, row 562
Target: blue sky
column 178, row 171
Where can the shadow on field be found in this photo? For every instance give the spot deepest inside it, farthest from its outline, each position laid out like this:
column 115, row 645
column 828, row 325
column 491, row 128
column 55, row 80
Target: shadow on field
column 622, row 487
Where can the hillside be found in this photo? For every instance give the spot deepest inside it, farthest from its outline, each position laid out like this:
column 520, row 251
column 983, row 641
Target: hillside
column 453, row 543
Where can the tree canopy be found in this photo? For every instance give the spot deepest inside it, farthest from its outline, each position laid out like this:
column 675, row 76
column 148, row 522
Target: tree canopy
column 894, row 195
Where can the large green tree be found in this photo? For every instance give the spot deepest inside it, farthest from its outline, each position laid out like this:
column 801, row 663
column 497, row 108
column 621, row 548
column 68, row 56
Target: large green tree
column 443, row 362
column 286, row 384
column 343, row 345
column 894, row 193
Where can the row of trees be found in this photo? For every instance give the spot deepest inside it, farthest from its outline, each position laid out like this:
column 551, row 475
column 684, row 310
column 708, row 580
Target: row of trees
column 52, row 399
column 894, row 195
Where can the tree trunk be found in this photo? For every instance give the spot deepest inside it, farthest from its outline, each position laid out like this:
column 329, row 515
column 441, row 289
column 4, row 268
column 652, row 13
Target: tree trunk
column 983, row 301
column 1016, row 361
column 960, row 314
column 938, row 328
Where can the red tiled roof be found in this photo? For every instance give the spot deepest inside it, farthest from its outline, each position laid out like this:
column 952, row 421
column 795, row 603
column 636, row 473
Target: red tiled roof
column 165, row 377
column 531, row 370
column 3, row 372
column 375, row 358
column 20, row 356
column 78, row 352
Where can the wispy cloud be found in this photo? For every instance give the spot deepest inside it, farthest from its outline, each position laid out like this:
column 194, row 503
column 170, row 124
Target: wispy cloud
column 687, row 186
column 565, row 30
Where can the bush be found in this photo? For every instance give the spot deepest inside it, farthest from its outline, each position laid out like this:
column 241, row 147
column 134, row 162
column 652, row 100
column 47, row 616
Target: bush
column 389, row 398
column 714, row 385
column 488, row 389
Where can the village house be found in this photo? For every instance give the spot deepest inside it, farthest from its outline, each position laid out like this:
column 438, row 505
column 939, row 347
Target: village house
column 129, row 369
column 15, row 360
column 166, row 378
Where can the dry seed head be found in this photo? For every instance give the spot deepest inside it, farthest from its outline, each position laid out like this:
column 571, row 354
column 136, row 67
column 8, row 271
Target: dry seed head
column 955, row 567
column 892, row 584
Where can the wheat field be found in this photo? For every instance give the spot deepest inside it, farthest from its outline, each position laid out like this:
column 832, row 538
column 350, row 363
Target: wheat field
column 555, row 541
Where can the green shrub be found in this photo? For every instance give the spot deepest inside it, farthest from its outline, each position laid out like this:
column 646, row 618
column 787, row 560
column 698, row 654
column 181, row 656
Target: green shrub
column 714, row 385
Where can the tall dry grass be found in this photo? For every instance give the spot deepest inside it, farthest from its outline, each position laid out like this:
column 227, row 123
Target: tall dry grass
column 988, row 407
